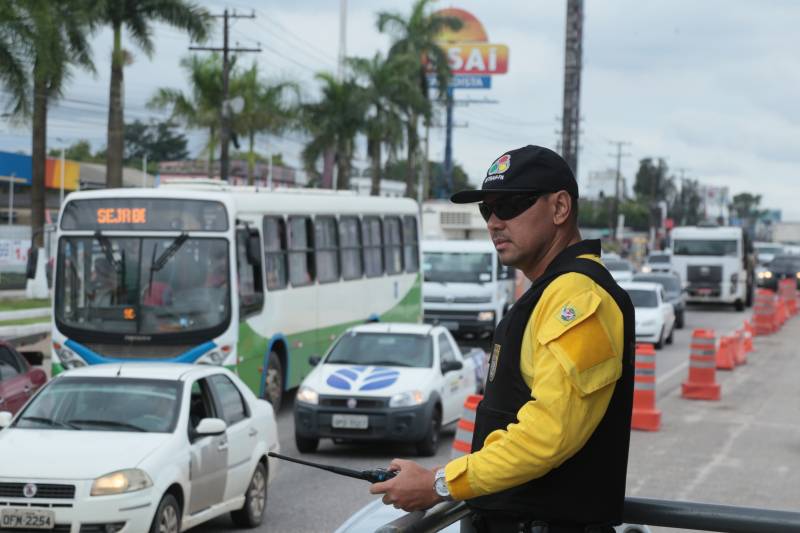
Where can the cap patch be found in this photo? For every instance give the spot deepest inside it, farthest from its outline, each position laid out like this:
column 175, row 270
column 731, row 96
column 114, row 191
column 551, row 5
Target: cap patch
column 500, row 165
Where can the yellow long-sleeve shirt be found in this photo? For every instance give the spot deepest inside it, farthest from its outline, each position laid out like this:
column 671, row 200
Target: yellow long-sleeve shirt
column 571, row 364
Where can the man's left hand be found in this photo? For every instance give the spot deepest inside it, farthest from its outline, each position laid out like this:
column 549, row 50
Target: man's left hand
column 411, row 489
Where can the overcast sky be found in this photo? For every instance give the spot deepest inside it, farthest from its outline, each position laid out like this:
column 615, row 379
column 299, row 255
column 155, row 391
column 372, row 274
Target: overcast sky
column 711, row 86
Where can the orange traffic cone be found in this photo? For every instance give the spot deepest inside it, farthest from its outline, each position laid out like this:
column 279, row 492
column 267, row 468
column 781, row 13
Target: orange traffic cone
column 764, row 311
column 701, row 383
column 726, row 353
column 749, row 332
column 645, row 414
column 462, row 443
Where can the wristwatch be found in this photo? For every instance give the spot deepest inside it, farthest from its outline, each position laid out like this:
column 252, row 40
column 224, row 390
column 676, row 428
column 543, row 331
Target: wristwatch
column 440, row 485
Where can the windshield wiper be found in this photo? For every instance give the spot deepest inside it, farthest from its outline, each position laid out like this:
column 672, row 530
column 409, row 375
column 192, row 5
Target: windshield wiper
column 49, row 422
column 108, row 251
column 387, row 363
column 109, row 423
column 167, row 254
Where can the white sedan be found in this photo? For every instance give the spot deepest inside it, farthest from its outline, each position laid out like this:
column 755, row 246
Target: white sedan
column 136, row 447
column 655, row 317
column 385, row 381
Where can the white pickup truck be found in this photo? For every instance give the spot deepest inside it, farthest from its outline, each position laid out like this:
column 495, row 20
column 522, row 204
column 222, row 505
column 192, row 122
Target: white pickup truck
column 386, row 382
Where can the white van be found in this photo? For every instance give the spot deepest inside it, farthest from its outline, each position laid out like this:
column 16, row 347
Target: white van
column 466, row 289
column 715, row 263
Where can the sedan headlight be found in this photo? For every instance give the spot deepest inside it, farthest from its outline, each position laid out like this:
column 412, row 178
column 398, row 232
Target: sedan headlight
column 121, row 481
column 647, row 269
column 308, row 395
column 485, row 316
column 407, row 399
column 69, row 360
column 765, row 274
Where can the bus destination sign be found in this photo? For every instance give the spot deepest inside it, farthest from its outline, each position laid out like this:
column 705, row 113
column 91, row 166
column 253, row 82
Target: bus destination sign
column 122, row 215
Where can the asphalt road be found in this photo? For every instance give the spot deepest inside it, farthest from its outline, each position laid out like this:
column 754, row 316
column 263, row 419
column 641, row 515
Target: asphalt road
column 305, row 500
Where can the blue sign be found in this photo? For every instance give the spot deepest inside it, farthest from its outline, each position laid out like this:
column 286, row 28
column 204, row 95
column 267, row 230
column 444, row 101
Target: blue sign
column 465, row 81
column 358, row 378
column 16, row 165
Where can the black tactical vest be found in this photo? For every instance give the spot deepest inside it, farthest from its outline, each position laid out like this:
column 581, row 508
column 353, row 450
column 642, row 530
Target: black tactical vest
column 589, row 487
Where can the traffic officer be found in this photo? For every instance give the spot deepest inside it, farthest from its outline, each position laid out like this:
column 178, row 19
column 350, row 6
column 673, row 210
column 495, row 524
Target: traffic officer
column 550, row 446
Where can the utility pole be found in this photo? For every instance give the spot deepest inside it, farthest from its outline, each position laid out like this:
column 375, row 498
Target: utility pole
column 572, row 83
column 615, row 210
column 225, row 112
column 342, row 38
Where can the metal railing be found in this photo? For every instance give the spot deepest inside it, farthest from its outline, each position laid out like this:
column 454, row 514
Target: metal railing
column 665, row 513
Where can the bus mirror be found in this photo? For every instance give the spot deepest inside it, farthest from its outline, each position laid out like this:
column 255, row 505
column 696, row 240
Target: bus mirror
column 253, row 247
column 30, row 267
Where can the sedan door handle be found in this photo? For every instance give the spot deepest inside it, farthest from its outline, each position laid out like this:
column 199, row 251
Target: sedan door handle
column 222, row 446
column 27, row 389
column 253, row 432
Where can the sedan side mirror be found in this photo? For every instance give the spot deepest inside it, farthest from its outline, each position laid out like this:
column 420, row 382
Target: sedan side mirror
column 38, row 377
column 314, row 360
column 210, row 426
column 5, row 419
column 449, row 366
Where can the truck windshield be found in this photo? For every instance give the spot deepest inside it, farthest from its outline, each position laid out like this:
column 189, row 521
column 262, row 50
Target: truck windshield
column 455, row 267
column 382, row 349
column 643, row 298
column 727, row 248
column 151, row 285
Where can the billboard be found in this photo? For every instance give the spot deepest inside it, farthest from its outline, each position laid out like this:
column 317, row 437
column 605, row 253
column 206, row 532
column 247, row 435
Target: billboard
column 20, row 166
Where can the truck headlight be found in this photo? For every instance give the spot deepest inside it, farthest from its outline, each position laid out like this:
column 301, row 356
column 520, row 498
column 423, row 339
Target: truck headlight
column 308, row 395
column 69, row 359
column 406, row 399
column 485, row 316
column 121, row 481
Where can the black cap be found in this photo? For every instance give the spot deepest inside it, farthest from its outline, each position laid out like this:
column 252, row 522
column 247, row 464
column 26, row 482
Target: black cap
column 529, row 169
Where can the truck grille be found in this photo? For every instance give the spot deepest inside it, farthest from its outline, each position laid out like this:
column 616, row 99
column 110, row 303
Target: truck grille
column 704, row 274
column 361, row 403
column 43, row 490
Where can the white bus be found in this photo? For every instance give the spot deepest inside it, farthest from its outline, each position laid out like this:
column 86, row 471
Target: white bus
column 716, row 264
column 257, row 281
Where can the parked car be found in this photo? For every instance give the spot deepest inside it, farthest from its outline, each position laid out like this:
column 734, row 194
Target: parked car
column 674, row 292
column 781, row 267
column 385, row 381
column 621, row 269
column 137, row 447
column 655, row 318
column 657, row 262
column 19, row 380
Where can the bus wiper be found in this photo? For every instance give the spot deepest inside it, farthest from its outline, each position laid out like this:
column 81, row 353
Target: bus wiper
column 108, row 251
column 171, row 250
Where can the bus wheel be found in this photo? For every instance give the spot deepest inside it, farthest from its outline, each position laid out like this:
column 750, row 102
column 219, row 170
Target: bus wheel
column 273, row 386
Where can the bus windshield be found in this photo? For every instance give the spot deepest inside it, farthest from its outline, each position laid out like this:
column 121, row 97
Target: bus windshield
column 726, row 248
column 455, row 267
column 142, row 285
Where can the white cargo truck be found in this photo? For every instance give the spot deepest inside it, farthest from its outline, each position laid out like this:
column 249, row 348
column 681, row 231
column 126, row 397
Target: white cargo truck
column 716, row 264
column 466, row 289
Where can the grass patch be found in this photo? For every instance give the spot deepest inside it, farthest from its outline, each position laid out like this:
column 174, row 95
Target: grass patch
column 18, row 305
column 25, row 321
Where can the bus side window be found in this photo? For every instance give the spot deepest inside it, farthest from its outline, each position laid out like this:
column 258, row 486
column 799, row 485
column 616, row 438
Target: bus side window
column 373, row 248
column 274, row 232
column 393, row 245
column 350, row 248
column 301, row 252
column 251, row 290
column 410, row 244
column 327, row 249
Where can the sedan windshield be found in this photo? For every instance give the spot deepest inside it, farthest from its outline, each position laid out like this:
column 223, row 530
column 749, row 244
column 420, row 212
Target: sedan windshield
column 670, row 284
column 784, row 264
column 456, row 267
column 618, row 265
column 383, row 349
column 662, row 258
column 104, row 404
column 145, row 286
column 643, row 298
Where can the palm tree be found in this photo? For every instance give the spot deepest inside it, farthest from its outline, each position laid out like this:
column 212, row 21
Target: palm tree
column 200, row 108
column 137, row 16
column 52, row 38
column 13, row 70
column 266, row 109
column 416, row 36
column 333, row 123
column 387, row 89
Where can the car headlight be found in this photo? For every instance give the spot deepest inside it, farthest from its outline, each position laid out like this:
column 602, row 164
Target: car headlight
column 485, row 316
column 308, row 395
column 69, row 359
column 647, row 269
column 121, row 481
column 406, row 399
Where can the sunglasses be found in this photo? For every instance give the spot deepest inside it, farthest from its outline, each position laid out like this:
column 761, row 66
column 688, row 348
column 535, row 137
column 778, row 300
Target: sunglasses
column 506, row 208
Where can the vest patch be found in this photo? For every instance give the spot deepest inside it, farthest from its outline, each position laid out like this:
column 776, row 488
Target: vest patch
column 493, row 361
column 567, row 314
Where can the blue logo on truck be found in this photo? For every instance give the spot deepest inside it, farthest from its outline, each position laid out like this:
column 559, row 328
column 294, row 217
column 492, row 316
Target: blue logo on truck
column 363, row 378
